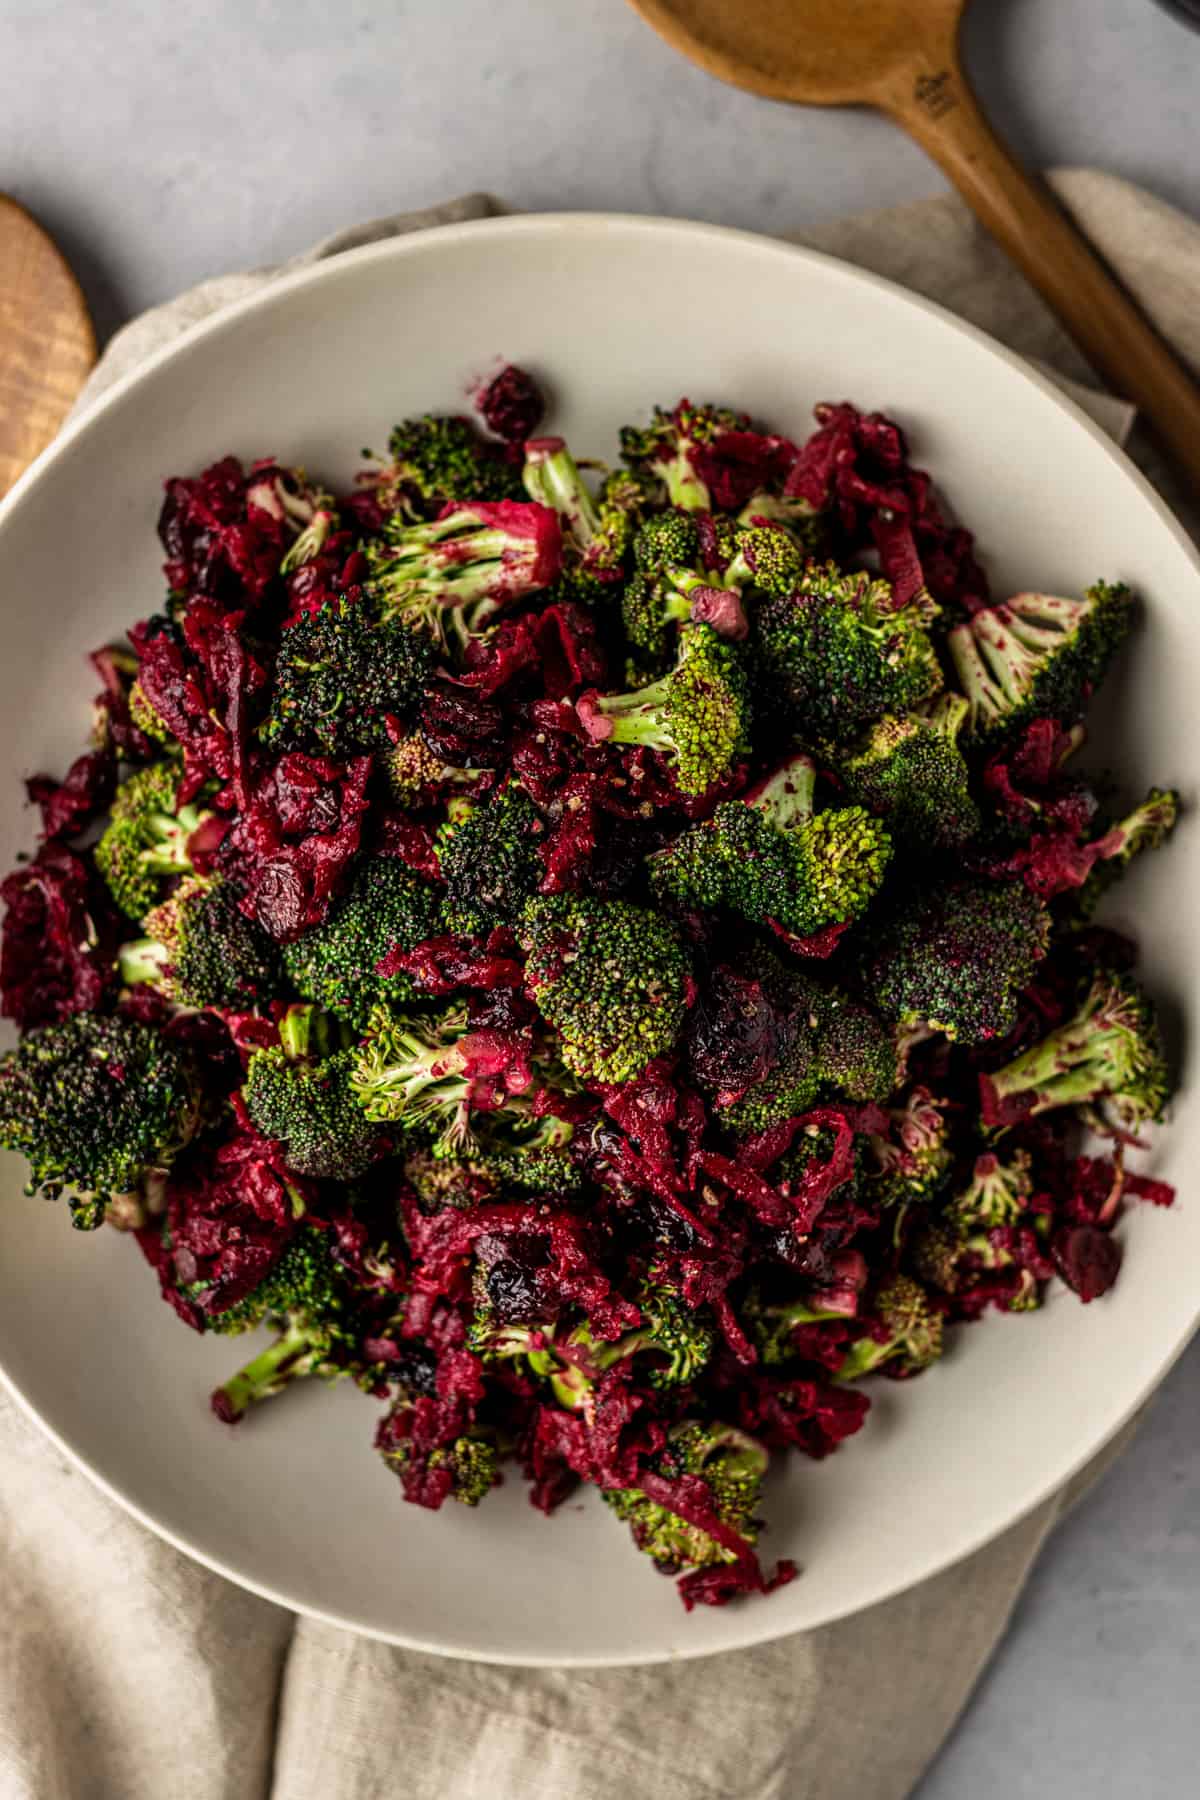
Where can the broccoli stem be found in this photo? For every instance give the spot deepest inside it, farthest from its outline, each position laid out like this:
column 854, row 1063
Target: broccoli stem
column 551, row 476
column 266, row 1374
column 143, row 959
column 785, row 798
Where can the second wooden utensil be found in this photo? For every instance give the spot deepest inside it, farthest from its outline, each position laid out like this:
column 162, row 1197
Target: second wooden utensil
column 902, row 57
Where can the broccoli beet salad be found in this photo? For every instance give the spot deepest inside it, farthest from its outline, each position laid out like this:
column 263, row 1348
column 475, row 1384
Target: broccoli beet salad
column 604, row 961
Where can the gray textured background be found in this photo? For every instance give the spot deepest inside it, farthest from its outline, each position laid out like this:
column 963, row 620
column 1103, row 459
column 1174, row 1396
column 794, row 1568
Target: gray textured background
column 165, row 143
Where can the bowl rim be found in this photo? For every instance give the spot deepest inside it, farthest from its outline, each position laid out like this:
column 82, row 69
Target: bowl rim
column 758, row 1627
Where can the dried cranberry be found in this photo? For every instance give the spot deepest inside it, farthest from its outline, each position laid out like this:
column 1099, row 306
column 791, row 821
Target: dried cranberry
column 512, row 405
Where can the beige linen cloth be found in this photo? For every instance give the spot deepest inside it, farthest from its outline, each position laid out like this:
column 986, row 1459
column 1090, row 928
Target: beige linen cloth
column 128, row 1672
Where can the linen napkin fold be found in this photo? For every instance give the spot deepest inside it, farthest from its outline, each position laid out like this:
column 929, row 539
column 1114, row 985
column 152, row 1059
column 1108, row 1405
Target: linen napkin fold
column 128, row 1672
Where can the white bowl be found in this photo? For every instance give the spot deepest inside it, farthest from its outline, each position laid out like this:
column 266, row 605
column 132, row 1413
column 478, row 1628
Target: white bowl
column 614, row 314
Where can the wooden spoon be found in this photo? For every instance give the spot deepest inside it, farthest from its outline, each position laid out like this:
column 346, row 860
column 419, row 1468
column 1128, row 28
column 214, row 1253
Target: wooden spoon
column 902, row 56
column 47, row 344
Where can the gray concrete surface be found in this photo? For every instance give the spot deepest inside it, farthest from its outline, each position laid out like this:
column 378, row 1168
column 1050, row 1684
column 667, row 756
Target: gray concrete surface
column 165, row 143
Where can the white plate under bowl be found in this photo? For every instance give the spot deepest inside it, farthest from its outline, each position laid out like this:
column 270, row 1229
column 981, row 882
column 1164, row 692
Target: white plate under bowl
column 613, row 314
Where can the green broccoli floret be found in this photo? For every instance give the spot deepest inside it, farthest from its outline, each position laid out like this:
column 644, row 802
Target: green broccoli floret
column 996, row 1194
column 201, row 950
column 856, row 1054
column 450, row 577
column 677, row 1339
column 1107, row 1061
column 417, row 1074
column 489, row 861
column 955, row 959
column 730, row 1463
column 836, row 654
column 766, row 558
column 308, row 1302
column 436, row 460
column 611, row 977
column 517, row 1153
column 771, row 1325
column 417, row 776
column 912, row 1161
column 464, row 1468
column 300, row 1094
column 772, row 859
column 385, row 908
column 1037, row 656
column 808, row 527
column 698, row 716
column 95, row 1105
column 341, row 679
column 147, row 838
column 665, row 450
column 946, row 1249
column 652, row 607
column 1147, row 827
column 911, row 1332
column 910, row 771
column 144, row 716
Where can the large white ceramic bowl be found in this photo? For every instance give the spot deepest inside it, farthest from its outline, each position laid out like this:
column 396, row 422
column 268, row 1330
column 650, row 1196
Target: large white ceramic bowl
column 613, row 314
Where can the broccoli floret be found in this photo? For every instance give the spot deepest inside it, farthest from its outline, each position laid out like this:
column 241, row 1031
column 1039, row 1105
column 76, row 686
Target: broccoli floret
column 765, row 558
column 730, row 1463
column 652, row 609
column 1037, row 656
column 341, row 677
column 911, row 1332
column 464, row 1468
column 299, row 1093
column 436, row 460
column 698, row 716
column 772, row 859
column 956, row 959
column 202, row 950
column 448, row 578
column 666, row 449
column 771, row 1326
column 417, row 776
column 611, row 977
column 910, row 771
column 996, row 1194
column 416, row 1073
column 913, row 1160
column 489, row 861
column 651, row 605
column 386, row 908
column 307, row 1301
column 808, row 527
column 856, row 1054
column 1107, row 1060
column 836, row 654
column 1147, row 827
column 147, row 838
column 95, row 1105
column 143, row 715
column 676, row 1338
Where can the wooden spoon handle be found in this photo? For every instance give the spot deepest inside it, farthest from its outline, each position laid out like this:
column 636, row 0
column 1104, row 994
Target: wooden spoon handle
column 939, row 109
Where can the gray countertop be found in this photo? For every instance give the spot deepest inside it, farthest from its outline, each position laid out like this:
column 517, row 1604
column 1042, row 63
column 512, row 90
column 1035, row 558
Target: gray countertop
column 162, row 144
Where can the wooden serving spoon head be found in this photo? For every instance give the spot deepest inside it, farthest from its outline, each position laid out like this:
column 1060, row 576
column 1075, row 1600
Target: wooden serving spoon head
column 817, row 52
column 902, row 57
column 47, row 344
